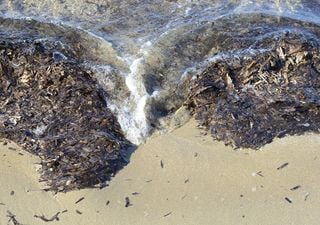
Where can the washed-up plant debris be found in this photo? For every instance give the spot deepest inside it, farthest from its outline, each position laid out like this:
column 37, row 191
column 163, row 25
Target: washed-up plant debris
column 53, row 107
column 248, row 100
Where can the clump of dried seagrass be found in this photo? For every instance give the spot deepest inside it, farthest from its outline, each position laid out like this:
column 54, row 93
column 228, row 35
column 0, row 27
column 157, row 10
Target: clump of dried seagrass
column 54, row 109
column 248, row 101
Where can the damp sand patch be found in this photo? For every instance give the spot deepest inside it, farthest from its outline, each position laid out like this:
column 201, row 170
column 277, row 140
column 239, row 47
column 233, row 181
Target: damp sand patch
column 54, row 108
column 247, row 101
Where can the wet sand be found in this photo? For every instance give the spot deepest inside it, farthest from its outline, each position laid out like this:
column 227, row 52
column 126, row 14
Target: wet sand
column 179, row 178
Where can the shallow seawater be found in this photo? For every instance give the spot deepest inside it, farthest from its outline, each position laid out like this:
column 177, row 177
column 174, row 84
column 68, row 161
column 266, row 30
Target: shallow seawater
column 143, row 52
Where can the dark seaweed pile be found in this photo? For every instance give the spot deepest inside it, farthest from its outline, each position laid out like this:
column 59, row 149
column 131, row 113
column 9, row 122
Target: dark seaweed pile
column 54, row 109
column 248, row 101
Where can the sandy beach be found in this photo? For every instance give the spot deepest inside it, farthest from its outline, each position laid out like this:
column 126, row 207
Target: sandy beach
column 177, row 178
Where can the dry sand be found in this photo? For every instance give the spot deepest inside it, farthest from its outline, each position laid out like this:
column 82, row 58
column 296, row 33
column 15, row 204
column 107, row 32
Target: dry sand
column 202, row 182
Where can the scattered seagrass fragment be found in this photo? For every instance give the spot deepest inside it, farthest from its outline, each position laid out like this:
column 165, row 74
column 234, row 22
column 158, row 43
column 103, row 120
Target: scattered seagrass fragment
column 283, row 166
column 248, row 100
column 306, row 196
column 295, row 188
column 45, row 219
column 288, row 200
column 128, row 203
column 258, row 173
column 79, row 200
column 55, row 109
column 12, row 218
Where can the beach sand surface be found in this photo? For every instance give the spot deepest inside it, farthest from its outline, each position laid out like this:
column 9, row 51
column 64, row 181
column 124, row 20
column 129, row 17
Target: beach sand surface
column 177, row 178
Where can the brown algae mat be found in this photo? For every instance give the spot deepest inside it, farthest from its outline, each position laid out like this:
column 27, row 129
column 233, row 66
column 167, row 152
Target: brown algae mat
column 54, row 109
column 247, row 101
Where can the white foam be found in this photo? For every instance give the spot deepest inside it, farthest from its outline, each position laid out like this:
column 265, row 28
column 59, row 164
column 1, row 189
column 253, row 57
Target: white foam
column 131, row 112
column 135, row 124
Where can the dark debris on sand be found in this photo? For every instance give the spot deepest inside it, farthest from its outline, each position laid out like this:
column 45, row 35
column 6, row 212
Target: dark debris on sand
column 12, row 218
column 54, row 109
column 249, row 101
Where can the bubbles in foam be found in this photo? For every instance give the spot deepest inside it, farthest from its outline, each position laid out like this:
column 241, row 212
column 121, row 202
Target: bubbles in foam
column 136, row 125
column 131, row 111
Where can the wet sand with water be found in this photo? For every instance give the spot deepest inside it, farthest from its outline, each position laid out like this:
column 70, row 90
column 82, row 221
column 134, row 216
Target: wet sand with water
column 181, row 177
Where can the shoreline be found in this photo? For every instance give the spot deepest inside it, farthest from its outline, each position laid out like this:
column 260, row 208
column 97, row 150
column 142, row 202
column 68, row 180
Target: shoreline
column 180, row 177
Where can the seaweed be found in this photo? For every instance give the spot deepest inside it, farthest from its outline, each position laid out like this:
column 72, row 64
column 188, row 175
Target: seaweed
column 248, row 100
column 55, row 109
